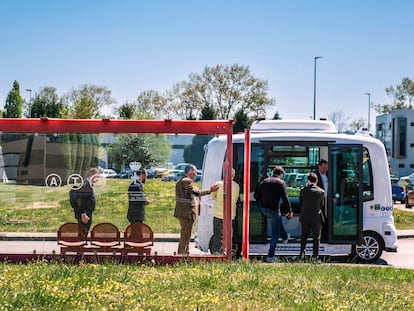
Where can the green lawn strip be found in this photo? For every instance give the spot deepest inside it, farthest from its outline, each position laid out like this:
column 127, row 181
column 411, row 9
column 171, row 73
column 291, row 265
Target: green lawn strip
column 240, row 285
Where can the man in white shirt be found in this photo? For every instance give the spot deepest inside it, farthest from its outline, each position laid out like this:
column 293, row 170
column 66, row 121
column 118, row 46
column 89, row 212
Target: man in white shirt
column 219, row 210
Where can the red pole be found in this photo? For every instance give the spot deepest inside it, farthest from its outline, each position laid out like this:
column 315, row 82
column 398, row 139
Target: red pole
column 246, row 201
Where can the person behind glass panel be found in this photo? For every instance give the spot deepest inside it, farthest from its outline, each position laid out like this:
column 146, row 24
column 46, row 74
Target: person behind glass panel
column 137, row 199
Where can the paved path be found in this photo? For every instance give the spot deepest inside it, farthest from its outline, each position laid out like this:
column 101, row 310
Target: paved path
column 29, row 243
column 165, row 244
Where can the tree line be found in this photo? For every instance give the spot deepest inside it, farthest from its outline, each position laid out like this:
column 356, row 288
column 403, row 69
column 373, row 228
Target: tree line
column 228, row 91
column 218, row 92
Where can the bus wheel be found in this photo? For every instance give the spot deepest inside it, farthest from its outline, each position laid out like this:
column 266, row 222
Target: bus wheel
column 371, row 248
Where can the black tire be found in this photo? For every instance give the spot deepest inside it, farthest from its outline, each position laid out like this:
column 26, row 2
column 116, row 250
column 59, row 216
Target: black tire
column 370, row 250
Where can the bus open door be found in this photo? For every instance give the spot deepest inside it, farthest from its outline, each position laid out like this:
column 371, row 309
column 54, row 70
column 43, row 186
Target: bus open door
column 345, row 206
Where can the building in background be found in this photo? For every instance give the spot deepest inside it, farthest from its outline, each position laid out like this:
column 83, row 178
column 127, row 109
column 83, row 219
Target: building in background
column 396, row 131
column 178, row 143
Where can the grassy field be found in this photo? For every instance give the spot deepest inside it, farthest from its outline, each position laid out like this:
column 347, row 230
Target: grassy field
column 40, row 209
column 199, row 286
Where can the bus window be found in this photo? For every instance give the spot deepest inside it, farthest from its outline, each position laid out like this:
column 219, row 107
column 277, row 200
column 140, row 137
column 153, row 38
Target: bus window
column 368, row 191
column 257, row 172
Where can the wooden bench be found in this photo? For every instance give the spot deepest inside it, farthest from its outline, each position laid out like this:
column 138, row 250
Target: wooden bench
column 138, row 238
column 72, row 237
column 105, row 238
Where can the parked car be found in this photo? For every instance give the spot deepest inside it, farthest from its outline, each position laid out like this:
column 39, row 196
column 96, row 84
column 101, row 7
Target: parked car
column 199, row 175
column 125, row 174
column 172, row 175
column 398, row 191
column 175, row 175
column 181, row 166
column 409, row 196
column 108, row 173
column 158, row 171
column 150, row 172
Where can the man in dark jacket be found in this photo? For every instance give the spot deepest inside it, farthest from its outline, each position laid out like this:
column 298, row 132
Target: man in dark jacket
column 311, row 203
column 187, row 205
column 83, row 201
column 137, row 198
column 269, row 193
column 322, row 173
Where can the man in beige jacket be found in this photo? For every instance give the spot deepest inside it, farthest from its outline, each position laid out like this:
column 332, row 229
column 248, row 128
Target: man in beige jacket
column 187, row 205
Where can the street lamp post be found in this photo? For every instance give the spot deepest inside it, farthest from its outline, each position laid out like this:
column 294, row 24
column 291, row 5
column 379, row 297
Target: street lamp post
column 314, row 87
column 30, row 101
column 369, row 110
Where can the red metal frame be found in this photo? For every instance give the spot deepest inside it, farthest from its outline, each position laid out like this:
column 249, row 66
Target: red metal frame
column 246, row 212
column 46, row 125
column 207, row 127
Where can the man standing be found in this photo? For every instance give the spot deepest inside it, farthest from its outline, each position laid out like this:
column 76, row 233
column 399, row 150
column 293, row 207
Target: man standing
column 322, row 183
column 219, row 210
column 311, row 203
column 83, row 201
column 187, row 205
column 137, row 199
column 321, row 174
column 269, row 193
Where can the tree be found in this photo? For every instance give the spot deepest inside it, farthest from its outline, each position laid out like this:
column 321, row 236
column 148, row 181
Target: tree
column 46, row 103
column 207, row 113
column 150, row 105
column 276, row 116
column 126, row 111
column 88, row 101
column 242, row 122
column 224, row 88
column 178, row 103
column 144, row 148
column 194, row 153
column 14, row 103
column 340, row 120
column 402, row 94
column 357, row 124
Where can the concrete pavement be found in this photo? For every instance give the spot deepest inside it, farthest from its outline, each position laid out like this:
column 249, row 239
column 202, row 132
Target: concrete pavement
column 46, row 243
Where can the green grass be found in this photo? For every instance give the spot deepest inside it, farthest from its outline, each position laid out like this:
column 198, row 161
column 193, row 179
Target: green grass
column 39, row 209
column 403, row 219
column 26, row 208
column 200, row 286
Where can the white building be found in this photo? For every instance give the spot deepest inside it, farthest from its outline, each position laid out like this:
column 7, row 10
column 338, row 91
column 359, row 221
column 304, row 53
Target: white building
column 396, row 131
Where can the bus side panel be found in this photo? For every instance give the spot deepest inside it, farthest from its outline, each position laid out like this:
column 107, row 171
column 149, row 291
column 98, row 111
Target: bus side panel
column 378, row 212
column 212, row 172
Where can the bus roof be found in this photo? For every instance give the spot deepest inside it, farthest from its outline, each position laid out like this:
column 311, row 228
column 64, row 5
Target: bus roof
column 320, row 126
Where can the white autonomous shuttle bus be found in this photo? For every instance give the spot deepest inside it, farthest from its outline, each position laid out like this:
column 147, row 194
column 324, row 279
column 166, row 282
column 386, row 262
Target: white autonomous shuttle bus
column 359, row 210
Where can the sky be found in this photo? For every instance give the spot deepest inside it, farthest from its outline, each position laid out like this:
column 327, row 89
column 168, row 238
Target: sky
column 133, row 46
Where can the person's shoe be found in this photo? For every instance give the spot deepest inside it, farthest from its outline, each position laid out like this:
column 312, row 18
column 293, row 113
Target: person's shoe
column 270, row 259
column 316, row 259
column 300, row 258
column 287, row 239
